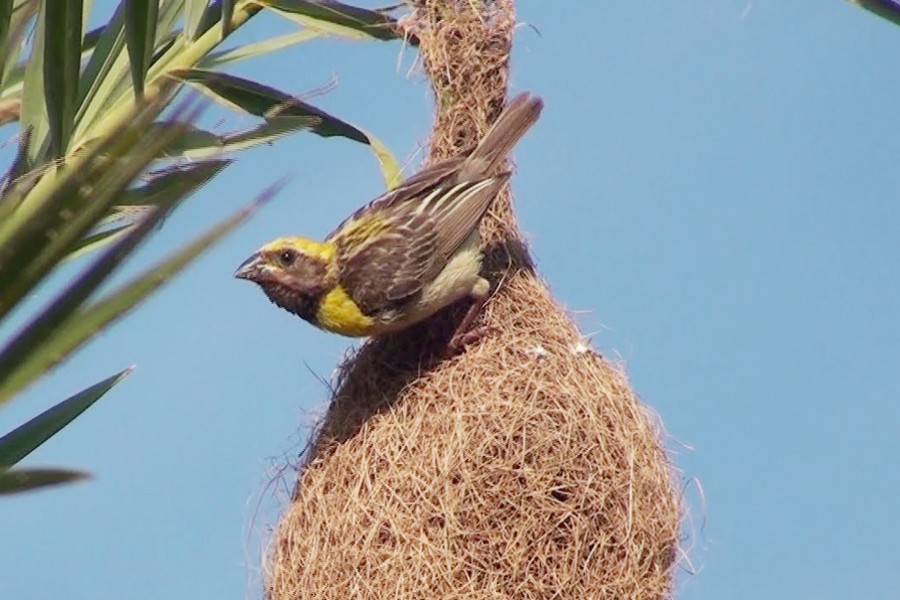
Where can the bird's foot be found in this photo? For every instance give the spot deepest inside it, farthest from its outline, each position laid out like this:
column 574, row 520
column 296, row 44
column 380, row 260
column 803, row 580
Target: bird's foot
column 461, row 339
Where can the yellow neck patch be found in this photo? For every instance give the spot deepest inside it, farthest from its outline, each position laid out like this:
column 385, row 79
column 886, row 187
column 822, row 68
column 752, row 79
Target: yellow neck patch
column 340, row 314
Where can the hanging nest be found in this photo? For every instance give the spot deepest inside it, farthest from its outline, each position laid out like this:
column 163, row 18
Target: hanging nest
column 525, row 467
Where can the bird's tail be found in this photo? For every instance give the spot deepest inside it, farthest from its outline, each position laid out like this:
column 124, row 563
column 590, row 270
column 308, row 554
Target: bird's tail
column 517, row 117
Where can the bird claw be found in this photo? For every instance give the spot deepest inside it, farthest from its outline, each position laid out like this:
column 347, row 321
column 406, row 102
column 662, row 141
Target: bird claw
column 461, row 339
column 466, row 333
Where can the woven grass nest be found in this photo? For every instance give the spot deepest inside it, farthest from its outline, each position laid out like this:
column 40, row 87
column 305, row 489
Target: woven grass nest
column 524, row 467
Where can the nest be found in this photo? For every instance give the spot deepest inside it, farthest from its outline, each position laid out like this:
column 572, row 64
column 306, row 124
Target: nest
column 524, row 467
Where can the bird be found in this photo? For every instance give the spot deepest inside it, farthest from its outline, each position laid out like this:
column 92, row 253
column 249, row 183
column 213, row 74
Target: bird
column 406, row 254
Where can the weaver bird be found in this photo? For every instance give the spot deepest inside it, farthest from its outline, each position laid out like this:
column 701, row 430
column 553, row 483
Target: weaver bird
column 403, row 256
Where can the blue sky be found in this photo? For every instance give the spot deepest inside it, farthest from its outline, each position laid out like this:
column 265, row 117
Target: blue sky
column 712, row 189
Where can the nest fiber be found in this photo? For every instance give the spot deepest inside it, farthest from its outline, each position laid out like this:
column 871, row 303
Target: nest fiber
column 524, row 467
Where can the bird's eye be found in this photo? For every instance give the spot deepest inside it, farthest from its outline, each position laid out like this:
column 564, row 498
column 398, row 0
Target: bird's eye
column 287, row 257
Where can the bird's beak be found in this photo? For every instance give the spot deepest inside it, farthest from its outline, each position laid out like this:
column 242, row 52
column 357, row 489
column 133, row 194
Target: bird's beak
column 250, row 268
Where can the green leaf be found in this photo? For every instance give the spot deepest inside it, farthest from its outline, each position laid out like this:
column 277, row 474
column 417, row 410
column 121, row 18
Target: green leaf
column 193, row 16
column 68, row 211
column 34, row 344
column 90, row 39
column 171, row 12
column 56, row 189
column 25, row 439
column 77, row 200
column 6, row 10
column 140, row 38
column 195, row 138
column 269, row 103
column 23, row 480
column 264, row 101
column 95, row 241
column 227, row 14
column 34, row 108
column 106, row 66
column 886, row 9
column 161, row 188
column 62, row 63
column 212, row 16
column 164, row 186
column 337, row 18
column 86, row 7
column 111, row 90
column 390, row 168
column 13, row 44
column 266, row 133
column 202, row 144
column 257, row 49
column 30, row 345
column 85, row 323
column 12, row 81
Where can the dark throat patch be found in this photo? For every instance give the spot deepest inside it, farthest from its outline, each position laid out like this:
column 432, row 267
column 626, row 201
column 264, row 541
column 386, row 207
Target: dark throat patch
column 304, row 306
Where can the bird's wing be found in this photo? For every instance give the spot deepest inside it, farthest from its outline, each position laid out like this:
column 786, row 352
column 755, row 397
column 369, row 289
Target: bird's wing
column 387, row 261
column 457, row 210
column 454, row 205
column 402, row 240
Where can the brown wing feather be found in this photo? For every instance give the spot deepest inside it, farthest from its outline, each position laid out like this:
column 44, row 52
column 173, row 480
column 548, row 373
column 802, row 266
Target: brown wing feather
column 393, row 267
column 412, row 244
column 461, row 216
column 411, row 190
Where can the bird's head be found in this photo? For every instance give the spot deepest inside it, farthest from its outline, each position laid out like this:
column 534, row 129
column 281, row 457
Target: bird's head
column 294, row 273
